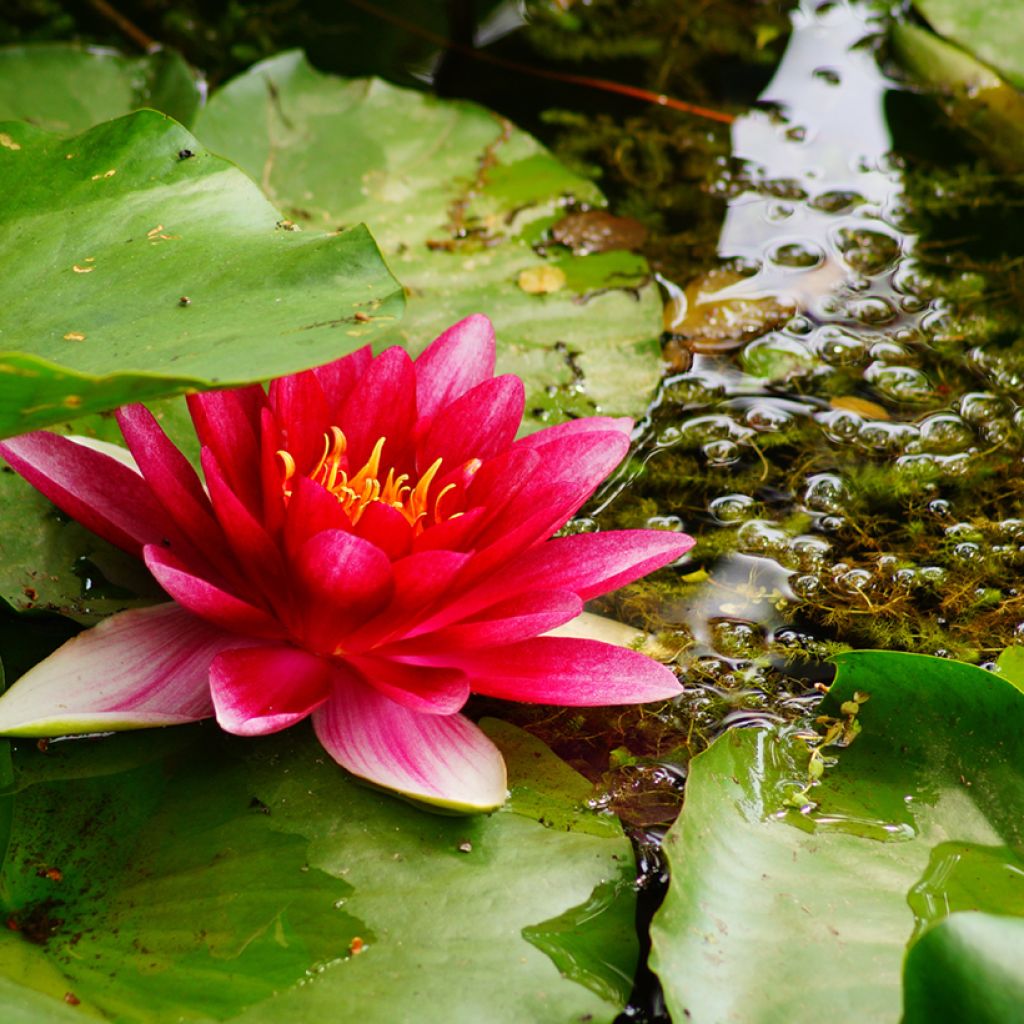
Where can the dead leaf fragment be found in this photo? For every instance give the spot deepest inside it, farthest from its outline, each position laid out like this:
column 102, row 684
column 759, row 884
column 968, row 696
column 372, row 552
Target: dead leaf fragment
column 861, row 406
column 7, row 142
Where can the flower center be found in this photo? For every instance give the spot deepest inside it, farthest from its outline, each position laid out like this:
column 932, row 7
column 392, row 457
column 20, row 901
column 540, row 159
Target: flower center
column 356, row 491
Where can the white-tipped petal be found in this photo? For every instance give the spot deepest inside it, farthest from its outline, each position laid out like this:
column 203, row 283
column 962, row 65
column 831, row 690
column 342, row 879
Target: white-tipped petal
column 139, row 668
column 444, row 760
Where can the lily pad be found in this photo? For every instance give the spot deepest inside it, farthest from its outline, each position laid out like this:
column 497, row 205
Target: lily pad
column 967, row 968
column 68, row 88
column 792, row 902
column 191, row 876
column 453, row 193
column 135, row 264
column 973, row 96
column 993, row 30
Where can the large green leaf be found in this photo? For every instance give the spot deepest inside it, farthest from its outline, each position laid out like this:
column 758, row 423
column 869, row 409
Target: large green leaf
column 779, row 914
column 456, row 196
column 972, row 94
column 993, row 30
column 130, row 269
column 67, row 88
column 969, row 967
column 182, row 875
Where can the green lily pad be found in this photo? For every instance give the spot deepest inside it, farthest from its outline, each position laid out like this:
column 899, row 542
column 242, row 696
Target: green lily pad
column 185, row 875
column 135, row 264
column 68, row 88
column 973, row 96
column 452, row 192
column 791, row 907
column 967, row 968
column 992, row 30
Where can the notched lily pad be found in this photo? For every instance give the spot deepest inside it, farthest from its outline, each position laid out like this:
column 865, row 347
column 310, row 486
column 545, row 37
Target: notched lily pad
column 454, row 194
column 128, row 271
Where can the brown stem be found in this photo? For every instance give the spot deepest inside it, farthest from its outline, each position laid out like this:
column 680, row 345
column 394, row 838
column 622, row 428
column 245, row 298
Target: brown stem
column 128, row 28
column 559, row 76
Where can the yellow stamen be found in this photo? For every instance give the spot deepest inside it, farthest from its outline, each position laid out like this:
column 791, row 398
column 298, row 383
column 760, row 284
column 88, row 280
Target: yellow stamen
column 358, row 490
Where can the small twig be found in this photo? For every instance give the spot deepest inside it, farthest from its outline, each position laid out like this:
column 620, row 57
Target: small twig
column 128, row 28
column 558, row 76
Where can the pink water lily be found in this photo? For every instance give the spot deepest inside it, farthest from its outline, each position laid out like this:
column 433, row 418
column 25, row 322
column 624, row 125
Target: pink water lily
column 371, row 545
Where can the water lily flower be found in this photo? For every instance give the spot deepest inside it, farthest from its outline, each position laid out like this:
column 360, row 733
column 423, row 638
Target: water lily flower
column 371, row 545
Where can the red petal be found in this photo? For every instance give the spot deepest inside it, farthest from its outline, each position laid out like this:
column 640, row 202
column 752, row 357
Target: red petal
column 386, row 528
column 340, row 377
column 556, row 670
column 479, row 425
column 260, row 690
column 301, row 411
column 459, row 359
column 104, row 495
column 430, row 690
column 382, row 405
column 208, row 601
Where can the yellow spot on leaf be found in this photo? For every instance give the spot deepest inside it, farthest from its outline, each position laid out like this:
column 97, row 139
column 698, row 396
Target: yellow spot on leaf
column 82, row 270
column 7, row 142
column 154, row 231
column 73, row 401
column 74, row 336
column 542, row 280
column 105, row 174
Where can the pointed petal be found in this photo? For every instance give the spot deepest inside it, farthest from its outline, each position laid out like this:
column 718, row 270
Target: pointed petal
column 228, row 424
column 382, row 405
column 519, row 618
column 479, row 425
column 574, row 428
column 300, row 408
column 443, row 760
column 555, row 670
column 136, row 669
column 100, row 492
column 174, row 482
column 261, row 690
column 424, row 688
column 115, row 451
column 459, row 359
column 340, row 377
column 207, row 600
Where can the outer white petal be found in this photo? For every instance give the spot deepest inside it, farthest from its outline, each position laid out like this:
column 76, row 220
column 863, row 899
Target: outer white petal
column 139, row 668
column 115, row 451
column 443, row 760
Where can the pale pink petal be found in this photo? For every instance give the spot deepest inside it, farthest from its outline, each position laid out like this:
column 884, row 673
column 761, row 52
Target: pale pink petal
column 205, row 599
column 136, row 669
column 443, row 760
column 430, row 690
column 459, row 359
column 260, row 690
column 100, row 492
column 555, row 670
column 479, row 425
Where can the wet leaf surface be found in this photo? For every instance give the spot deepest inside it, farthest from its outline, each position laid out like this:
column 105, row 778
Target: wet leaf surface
column 185, row 875
column 921, row 816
